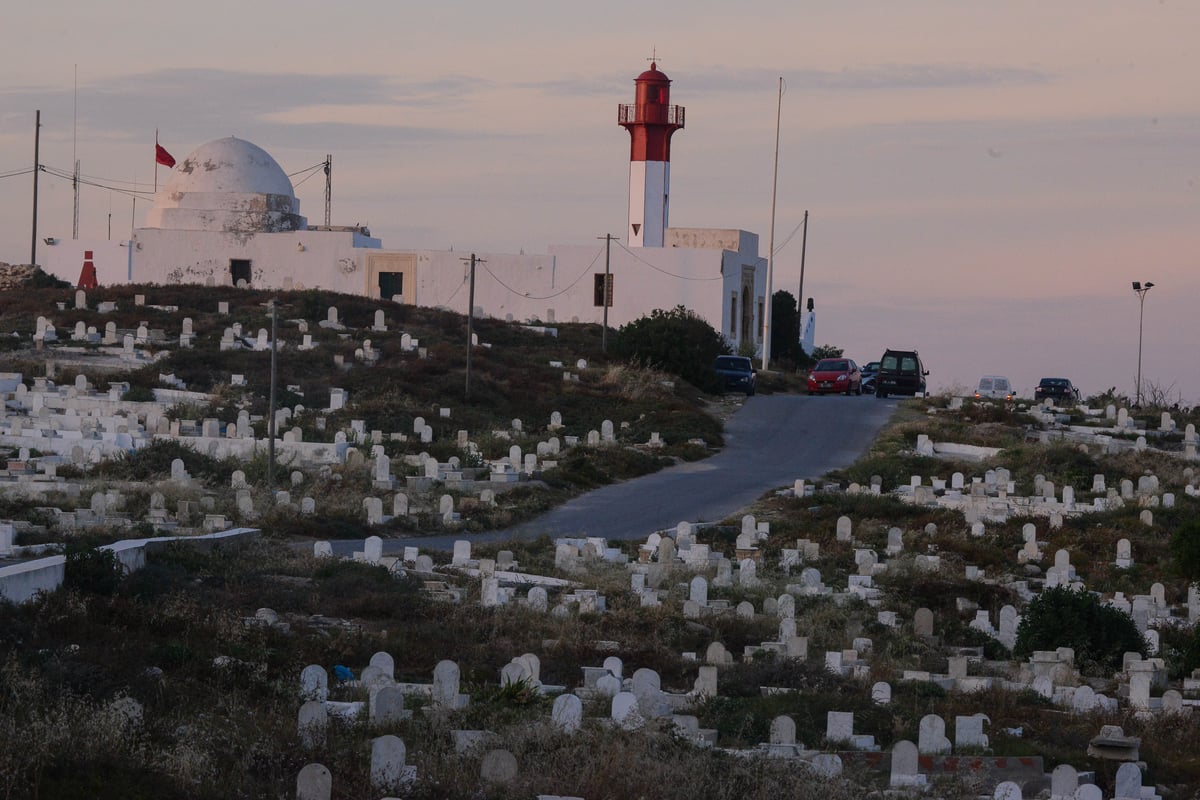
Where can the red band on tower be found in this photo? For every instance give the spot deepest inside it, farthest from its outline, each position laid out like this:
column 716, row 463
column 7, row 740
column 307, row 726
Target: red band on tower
column 87, row 276
column 652, row 119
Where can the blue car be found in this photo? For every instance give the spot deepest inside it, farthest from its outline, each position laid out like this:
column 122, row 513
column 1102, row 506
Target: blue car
column 736, row 373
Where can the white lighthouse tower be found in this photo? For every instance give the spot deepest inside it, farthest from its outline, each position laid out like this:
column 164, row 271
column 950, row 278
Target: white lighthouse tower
column 650, row 122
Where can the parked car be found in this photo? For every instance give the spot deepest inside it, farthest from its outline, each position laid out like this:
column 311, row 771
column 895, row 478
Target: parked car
column 995, row 387
column 736, row 373
column 900, row 372
column 869, row 371
column 1060, row 390
column 839, row 375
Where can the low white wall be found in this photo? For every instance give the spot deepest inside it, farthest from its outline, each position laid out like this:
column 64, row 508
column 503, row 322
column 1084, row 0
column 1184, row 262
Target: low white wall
column 20, row 583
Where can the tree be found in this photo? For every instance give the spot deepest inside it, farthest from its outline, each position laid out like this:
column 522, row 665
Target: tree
column 826, row 351
column 676, row 341
column 785, row 327
column 1061, row 617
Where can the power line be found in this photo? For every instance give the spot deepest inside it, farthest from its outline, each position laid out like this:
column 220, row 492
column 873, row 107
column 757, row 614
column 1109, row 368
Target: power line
column 790, row 236
column 16, row 173
column 667, row 272
column 70, row 177
column 549, row 296
column 306, row 169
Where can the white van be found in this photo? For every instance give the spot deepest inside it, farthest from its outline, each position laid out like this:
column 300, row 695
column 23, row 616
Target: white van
column 995, row 387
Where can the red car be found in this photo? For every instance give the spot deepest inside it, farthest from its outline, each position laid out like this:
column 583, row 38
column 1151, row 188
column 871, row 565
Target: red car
column 835, row 375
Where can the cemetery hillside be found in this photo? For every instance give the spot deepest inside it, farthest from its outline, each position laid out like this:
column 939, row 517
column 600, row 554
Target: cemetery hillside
column 995, row 600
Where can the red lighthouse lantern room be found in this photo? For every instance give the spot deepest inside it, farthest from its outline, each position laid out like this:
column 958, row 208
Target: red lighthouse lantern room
column 650, row 122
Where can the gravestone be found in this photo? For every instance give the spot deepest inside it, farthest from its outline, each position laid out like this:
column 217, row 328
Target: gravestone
column 968, row 731
column 783, row 730
column 932, row 739
column 311, row 724
column 1007, row 790
column 388, row 755
column 314, row 683
column 844, row 529
column 446, row 678
column 905, row 766
column 314, row 783
column 537, row 599
column 498, row 766
column 1128, row 784
column 567, row 713
column 839, row 726
column 1064, row 782
column 387, row 706
column 385, row 663
column 923, row 622
column 625, row 710
column 373, row 548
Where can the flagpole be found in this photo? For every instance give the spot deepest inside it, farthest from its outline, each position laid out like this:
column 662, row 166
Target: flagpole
column 156, row 160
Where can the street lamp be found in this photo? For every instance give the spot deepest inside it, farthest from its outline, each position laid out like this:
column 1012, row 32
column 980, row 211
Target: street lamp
column 1140, row 290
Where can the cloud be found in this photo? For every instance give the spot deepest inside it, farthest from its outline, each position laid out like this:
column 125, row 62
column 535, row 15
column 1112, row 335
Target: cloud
column 231, row 102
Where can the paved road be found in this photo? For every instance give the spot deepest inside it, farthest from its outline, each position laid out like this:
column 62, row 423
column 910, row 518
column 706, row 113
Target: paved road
column 770, row 442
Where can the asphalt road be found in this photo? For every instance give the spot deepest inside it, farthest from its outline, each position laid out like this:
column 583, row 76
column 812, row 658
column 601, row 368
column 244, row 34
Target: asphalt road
column 769, row 443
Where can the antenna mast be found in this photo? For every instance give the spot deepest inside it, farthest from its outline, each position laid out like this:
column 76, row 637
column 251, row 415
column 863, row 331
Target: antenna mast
column 328, row 186
column 37, row 167
column 74, row 141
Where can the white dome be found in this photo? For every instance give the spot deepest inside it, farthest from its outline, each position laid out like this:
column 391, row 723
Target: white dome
column 229, row 165
column 227, row 185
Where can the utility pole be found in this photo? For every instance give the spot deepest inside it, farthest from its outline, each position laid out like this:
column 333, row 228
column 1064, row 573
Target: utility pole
column 771, row 246
column 1140, row 290
column 800, row 299
column 37, row 167
column 328, row 186
column 271, row 414
column 606, row 294
column 470, row 318
column 74, row 157
column 75, row 215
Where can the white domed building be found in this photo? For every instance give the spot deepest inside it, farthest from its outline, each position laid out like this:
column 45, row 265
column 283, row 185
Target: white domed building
column 227, row 185
column 228, row 215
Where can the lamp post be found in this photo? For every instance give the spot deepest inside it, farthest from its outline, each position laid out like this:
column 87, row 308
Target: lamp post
column 1140, row 290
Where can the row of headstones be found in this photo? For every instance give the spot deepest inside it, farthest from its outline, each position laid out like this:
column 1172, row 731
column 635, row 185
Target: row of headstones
column 373, row 507
column 390, row 773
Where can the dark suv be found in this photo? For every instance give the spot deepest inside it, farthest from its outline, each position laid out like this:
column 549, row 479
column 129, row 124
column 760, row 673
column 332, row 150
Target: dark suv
column 1061, row 390
column 736, row 373
column 900, row 372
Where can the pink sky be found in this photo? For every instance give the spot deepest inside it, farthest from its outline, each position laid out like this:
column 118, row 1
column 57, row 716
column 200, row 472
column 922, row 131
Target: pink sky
column 984, row 180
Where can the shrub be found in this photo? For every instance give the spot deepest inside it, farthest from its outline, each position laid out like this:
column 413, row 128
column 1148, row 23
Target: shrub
column 138, row 394
column 1060, row 617
column 677, row 341
column 91, row 570
column 1185, row 549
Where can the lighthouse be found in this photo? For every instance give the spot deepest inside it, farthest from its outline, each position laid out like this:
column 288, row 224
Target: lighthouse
column 650, row 121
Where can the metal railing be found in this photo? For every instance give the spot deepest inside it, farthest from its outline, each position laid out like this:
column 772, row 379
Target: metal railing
column 667, row 115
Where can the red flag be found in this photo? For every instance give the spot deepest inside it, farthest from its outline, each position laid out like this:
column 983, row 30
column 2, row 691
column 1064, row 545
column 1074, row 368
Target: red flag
column 162, row 156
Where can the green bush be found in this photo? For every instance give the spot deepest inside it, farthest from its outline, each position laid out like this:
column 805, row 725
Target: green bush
column 91, row 570
column 1060, row 617
column 676, row 341
column 138, row 394
column 1185, row 549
